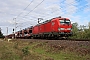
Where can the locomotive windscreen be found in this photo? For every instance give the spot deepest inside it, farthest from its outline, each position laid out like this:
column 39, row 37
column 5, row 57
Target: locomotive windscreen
column 65, row 22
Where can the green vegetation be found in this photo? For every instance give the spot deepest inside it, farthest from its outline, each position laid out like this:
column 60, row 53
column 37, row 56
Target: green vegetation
column 37, row 50
column 80, row 32
column 57, row 53
column 25, row 51
column 1, row 35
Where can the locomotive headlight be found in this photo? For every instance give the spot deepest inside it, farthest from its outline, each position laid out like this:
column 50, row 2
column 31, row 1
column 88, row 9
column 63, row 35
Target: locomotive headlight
column 62, row 28
column 68, row 28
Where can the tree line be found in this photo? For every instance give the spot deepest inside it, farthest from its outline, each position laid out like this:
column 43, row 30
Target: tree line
column 80, row 32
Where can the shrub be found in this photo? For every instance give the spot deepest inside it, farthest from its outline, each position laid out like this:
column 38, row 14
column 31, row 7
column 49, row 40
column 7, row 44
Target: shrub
column 25, row 50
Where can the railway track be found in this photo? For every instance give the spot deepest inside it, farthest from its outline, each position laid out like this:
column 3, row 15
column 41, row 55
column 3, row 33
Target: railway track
column 79, row 39
column 57, row 39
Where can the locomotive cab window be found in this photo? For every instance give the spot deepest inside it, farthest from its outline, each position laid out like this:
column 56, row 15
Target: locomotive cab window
column 65, row 22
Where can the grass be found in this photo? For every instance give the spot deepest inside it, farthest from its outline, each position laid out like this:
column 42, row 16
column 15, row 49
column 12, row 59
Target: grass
column 7, row 52
column 61, row 55
column 34, row 50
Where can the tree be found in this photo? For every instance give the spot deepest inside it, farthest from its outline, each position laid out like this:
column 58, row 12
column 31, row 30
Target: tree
column 75, row 29
column 89, row 25
column 1, row 35
column 75, row 26
column 80, row 32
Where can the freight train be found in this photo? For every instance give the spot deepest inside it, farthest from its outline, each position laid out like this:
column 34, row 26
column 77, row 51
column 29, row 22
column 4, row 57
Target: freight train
column 54, row 28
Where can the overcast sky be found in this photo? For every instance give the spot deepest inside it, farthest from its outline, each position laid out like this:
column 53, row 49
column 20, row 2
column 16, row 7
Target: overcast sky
column 27, row 12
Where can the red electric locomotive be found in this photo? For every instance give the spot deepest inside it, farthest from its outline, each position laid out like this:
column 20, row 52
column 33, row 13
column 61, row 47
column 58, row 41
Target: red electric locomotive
column 55, row 28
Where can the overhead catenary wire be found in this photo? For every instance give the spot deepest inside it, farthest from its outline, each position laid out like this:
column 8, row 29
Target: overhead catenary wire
column 29, row 5
column 47, row 14
column 68, row 4
column 37, row 6
column 34, row 8
column 21, row 13
column 26, row 7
